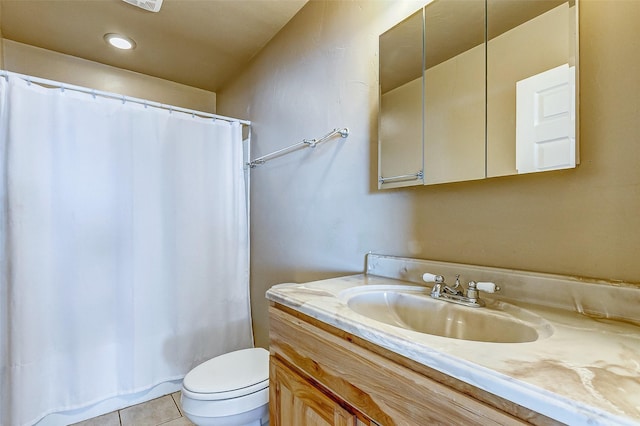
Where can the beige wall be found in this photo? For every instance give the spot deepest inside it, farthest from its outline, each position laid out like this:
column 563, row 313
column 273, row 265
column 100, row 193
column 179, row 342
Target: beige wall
column 454, row 119
column 315, row 213
column 400, row 132
column 30, row 60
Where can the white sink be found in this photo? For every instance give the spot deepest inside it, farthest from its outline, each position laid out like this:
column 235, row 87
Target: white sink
column 412, row 308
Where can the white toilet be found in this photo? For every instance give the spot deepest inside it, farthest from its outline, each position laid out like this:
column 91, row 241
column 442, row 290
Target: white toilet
column 229, row 390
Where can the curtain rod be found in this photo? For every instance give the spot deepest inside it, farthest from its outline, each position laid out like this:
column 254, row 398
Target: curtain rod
column 94, row 92
column 311, row 143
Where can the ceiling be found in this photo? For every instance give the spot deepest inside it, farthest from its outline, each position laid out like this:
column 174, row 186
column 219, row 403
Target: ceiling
column 200, row 43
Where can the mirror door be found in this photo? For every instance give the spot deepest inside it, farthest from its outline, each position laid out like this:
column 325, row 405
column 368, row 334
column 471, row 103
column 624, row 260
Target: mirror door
column 454, row 91
column 531, row 90
column 401, row 109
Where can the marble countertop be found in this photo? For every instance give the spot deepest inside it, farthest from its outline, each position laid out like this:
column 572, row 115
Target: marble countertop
column 586, row 372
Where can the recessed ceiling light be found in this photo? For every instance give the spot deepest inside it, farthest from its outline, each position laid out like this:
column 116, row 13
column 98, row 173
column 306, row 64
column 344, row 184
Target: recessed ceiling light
column 120, row 41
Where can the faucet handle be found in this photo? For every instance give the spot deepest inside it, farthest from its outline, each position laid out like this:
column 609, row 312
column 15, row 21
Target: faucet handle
column 431, row 278
column 487, row 286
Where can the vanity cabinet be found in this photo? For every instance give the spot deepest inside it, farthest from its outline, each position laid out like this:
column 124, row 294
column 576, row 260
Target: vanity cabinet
column 297, row 401
column 321, row 375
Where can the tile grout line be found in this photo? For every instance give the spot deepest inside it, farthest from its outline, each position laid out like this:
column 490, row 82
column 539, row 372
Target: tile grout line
column 176, row 404
column 178, row 408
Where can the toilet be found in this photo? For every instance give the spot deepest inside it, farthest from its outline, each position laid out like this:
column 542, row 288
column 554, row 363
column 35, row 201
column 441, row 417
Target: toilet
column 229, row 390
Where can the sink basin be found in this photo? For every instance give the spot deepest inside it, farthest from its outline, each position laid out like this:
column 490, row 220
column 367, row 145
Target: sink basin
column 412, row 308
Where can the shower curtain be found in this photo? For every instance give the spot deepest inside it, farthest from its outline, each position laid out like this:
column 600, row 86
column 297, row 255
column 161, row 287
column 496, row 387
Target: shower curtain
column 124, row 247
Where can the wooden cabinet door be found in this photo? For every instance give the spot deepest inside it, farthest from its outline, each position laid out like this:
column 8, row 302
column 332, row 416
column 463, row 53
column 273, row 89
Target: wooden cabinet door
column 294, row 401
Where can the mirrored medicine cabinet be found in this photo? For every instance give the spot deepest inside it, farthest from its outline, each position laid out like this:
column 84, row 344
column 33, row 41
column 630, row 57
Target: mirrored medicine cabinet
column 471, row 89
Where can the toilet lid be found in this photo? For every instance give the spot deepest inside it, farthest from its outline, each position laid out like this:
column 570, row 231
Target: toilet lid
column 240, row 372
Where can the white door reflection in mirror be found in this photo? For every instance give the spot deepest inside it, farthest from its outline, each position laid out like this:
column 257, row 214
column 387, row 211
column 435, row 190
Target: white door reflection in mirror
column 545, row 121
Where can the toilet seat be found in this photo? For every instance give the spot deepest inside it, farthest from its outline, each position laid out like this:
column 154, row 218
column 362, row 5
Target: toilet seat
column 227, row 376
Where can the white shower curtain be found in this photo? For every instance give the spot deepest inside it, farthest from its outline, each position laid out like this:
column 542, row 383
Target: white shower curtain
column 124, row 247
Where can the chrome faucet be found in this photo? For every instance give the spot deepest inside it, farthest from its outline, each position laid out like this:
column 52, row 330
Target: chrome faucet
column 457, row 293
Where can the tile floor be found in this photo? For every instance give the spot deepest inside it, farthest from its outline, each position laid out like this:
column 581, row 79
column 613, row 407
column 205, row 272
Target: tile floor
column 165, row 411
